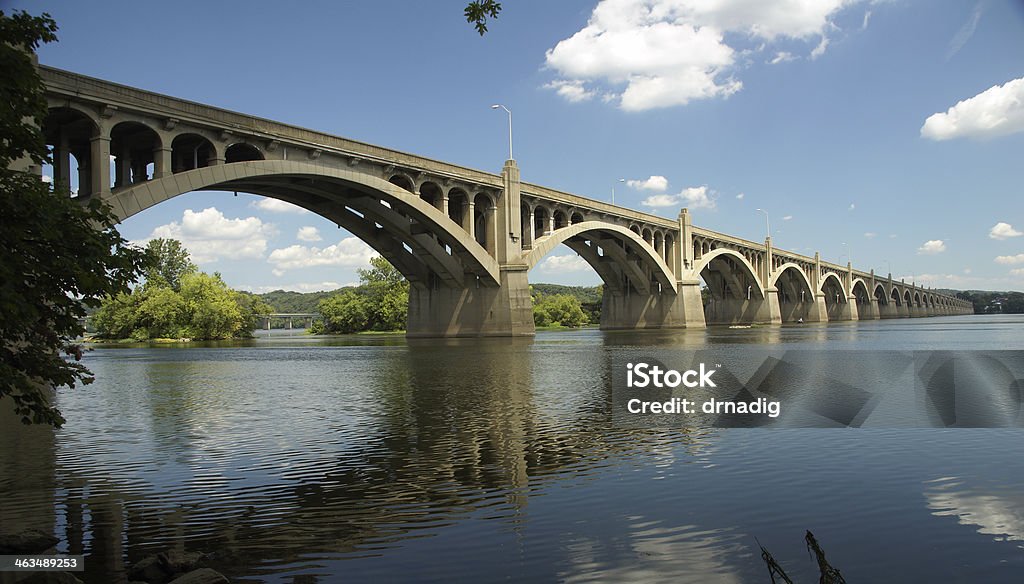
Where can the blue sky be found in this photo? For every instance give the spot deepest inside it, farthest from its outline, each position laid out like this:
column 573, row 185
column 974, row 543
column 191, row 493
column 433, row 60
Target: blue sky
column 813, row 110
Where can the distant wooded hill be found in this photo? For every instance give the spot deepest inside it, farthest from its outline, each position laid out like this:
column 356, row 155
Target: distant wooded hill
column 284, row 301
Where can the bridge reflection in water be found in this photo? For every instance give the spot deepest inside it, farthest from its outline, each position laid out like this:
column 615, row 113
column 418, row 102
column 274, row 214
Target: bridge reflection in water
column 465, row 239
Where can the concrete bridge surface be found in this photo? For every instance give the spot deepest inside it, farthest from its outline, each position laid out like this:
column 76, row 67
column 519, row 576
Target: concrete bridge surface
column 464, row 239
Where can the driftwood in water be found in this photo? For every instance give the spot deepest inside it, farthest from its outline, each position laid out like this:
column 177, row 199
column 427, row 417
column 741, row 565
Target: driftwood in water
column 829, row 575
column 774, row 569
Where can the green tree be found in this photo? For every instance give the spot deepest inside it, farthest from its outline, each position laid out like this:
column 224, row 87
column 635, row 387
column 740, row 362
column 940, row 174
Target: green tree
column 168, row 261
column 387, row 295
column 202, row 308
column 558, row 310
column 59, row 256
column 343, row 313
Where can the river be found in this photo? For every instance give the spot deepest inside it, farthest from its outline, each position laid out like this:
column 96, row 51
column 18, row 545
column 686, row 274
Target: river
column 373, row 458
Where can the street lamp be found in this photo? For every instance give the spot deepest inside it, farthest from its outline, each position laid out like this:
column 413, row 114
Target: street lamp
column 496, row 106
column 766, row 224
column 621, row 180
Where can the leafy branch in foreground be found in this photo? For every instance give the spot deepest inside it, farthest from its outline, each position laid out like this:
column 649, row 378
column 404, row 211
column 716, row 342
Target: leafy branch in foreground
column 59, row 256
column 478, row 11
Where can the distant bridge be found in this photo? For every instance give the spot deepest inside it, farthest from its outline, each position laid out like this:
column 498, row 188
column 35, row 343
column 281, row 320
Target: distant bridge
column 464, row 239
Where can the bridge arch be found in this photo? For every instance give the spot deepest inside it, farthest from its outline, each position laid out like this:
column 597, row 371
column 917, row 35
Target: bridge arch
column 70, row 131
column 190, row 151
column 617, row 254
column 134, row 146
column 736, row 293
column 425, row 245
column 836, row 297
column 242, row 152
column 796, row 295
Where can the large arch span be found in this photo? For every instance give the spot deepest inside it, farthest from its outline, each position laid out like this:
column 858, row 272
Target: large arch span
column 427, row 246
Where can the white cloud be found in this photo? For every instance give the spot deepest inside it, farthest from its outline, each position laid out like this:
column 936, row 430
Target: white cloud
column 660, row 53
column 47, row 178
column 564, row 263
column 209, row 235
column 787, row 218
column 350, row 252
column 1010, row 260
column 820, row 49
column 297, row 287
column 997, row 111
column 1003, row 231
column 308, row 233
column 655, row 183
column 932, row 246
column 870, row 234
column 276, row 206
column 741, row 196
column 966, row 31
column 851, row 207
column 782, row 57
column 867, row 18
column 692, row 197
column 1017, row 272
column 573, row 91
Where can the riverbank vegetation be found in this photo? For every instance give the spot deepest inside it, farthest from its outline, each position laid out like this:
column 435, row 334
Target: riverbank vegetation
column 178, row 301
column 986, row 302
column 380, row 303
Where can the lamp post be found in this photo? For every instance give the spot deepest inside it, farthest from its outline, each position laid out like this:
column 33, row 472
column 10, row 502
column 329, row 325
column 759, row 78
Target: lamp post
column 767, row 225
column 496, row 106
column 621, row 180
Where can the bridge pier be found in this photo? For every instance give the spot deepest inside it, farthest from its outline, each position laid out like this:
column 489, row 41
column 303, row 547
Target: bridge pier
column 731, row 310
column 666, row 309
column 473, row 310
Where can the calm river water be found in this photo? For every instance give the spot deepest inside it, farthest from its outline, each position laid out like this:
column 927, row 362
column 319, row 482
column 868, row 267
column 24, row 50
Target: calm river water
column 373, row 458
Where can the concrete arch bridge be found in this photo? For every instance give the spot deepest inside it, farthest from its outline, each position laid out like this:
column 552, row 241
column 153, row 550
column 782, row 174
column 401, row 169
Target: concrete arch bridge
column 465, row 239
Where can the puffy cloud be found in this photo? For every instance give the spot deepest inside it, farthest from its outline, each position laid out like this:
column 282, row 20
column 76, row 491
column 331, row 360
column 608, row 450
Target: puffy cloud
column 1003, row 231
column 572, row 91
column 851, row 207
column 660, row 53
column 564, row 263
column 932, row 246
column 350, row 252
column 997, row 111
column 692, row 197
column 308, row 233
column 656, row 183
column 209, row 235
column 277, row 206
column 1010, row 260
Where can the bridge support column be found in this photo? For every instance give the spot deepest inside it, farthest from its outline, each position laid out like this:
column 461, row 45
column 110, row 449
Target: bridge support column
column 869, row 311
column 636, row 310
column 474, row 311
column 99, row 166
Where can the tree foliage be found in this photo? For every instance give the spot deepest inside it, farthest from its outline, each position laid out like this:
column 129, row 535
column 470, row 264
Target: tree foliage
column 478, row 11
column 167, row 262
column 380, row 303
column 558, row 310
column 59, row 256
column 202, row 307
